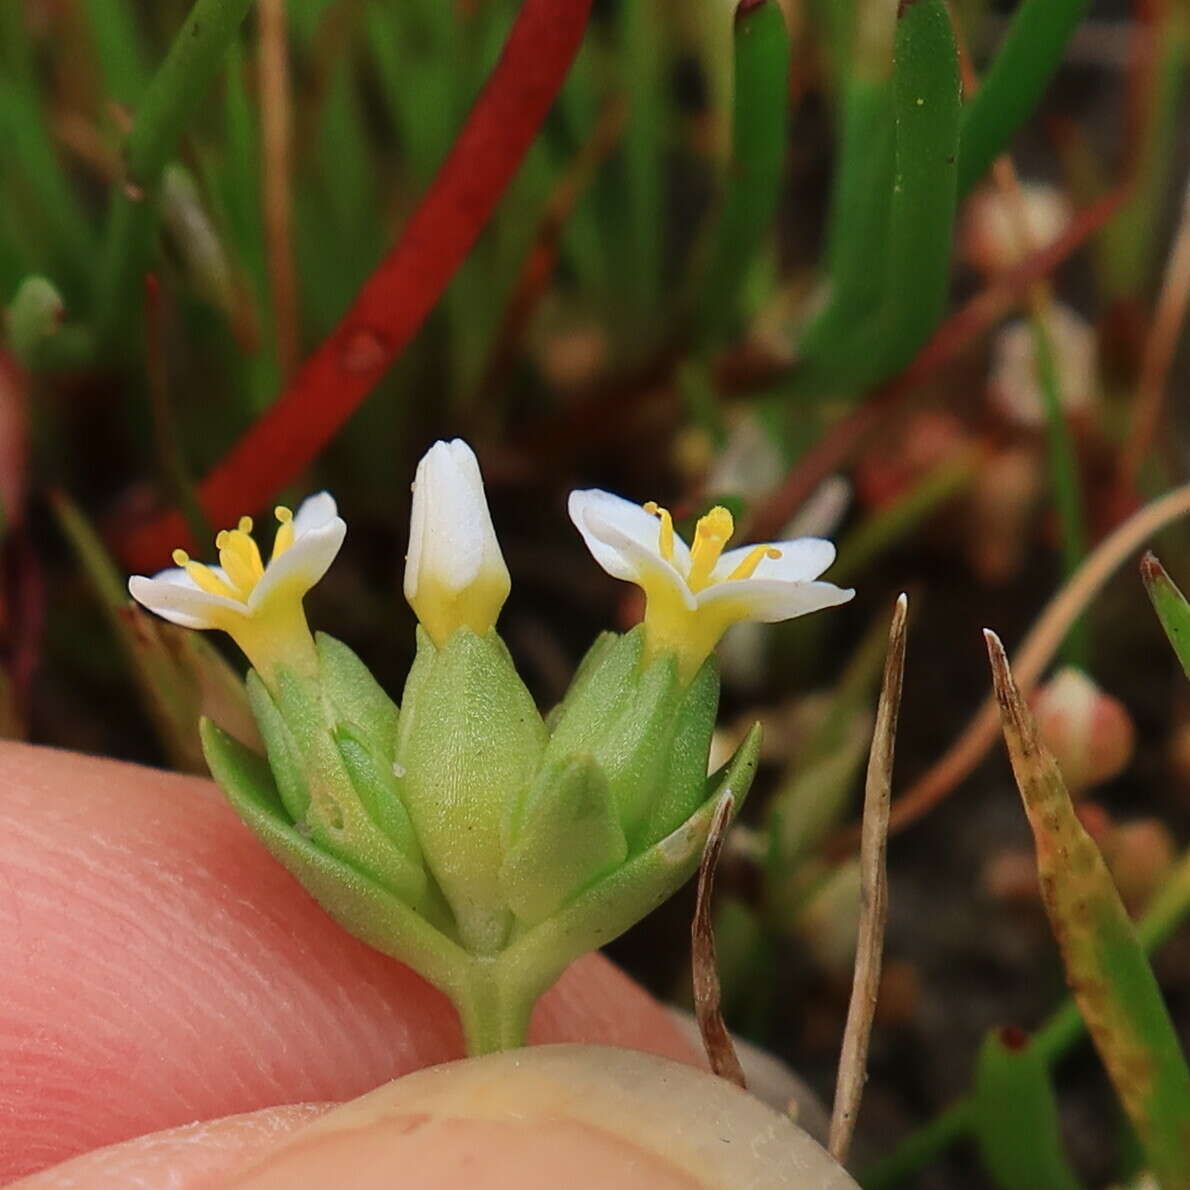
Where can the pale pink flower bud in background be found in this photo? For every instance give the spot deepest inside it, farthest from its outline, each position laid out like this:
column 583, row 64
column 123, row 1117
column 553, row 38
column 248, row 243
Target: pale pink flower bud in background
column 1089, row 732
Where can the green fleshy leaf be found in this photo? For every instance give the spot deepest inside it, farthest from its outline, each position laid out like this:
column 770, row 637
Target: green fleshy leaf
column 1016, row 1116
column 284, row 757
column 357, row 697
column 1171, row 607
column 598, row 691
column 470, row 743
column 569, row 836
column 617, row 902
column 683, row 785
column 357, row 902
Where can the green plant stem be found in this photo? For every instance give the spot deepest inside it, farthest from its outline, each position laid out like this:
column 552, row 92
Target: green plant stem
column 1013, row 85
column 897, row 520
column 1128, row 249
column 1064, row 479
column 494, row 1015
column 169, row 102
column 1056, row 1037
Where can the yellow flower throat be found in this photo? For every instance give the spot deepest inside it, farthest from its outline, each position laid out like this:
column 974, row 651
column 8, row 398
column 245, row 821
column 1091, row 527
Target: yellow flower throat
column 239, row 557
column 711, row 535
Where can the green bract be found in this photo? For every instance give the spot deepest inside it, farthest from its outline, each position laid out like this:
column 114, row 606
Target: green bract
column 465, row 835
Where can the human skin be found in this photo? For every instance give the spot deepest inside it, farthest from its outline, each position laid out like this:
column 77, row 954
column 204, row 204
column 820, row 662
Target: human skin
column 157, row 968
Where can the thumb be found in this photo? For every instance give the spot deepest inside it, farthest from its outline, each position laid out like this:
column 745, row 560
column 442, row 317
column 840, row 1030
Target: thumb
column 584, row 1117
column 161, row 968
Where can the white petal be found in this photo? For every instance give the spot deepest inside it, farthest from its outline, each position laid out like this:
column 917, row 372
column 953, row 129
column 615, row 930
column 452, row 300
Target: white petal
column 770, row 600
column 635, row 563
column 316, row 511
column 302, row 565
column 592, row 508
column 451, row 532
column 181, row 601
column 801, row 560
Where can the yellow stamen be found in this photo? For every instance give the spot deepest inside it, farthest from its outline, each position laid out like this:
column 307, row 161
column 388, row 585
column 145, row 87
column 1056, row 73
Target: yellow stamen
column 204, row 577
column 285, row 532
column 711, row 534
column 747, row 568
column 665, row 542
column 240, row 558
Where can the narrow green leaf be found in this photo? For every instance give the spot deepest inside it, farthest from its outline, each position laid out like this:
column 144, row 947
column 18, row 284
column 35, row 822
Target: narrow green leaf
column 1011, row 89
column 915, row 272
column 1171, row 607
column 760, row 136
column 1113, row 984
column 1016, row 1116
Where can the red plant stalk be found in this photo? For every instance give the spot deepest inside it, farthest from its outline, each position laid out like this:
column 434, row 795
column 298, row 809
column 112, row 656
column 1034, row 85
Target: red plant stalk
column 406, row 285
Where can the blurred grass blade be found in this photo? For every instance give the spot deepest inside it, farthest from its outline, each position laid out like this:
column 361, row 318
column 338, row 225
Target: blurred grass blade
column 863, row 181
column 115, row 32
column 643, row 63
column 1113, row 984
column 704, row 968
column 873, row 914
column 1013, row 85
column 760, row 135
column 1171, row 607
column 1016, row 1116
column 181, row 676
column 170, row 100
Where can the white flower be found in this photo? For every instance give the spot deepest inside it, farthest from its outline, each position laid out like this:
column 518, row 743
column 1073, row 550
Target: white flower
column 694, row 594
column 259, row 606
column 455, row 575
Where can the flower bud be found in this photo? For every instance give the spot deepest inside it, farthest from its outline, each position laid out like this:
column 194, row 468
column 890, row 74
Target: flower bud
column 469, row 746
column 1089, row 732
column 455, row 576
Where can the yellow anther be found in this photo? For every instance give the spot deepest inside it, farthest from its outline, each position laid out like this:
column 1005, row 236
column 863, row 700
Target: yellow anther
column 665, row 542
column 245, row 524
column 747, row 568
column 240, row 558
column 285, row 533
column 711, row 534
column 203, row 576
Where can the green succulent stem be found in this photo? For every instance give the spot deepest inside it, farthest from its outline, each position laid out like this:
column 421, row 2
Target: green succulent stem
column 494, row 1010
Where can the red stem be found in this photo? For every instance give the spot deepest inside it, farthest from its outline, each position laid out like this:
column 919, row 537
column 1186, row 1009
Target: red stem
column 406, row 285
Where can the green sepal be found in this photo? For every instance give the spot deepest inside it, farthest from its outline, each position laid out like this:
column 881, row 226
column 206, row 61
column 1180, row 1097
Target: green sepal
column 612, row 905
column 379, row 789
column 684, row 782
column 648, row 732
column 357, row 902
column 469, row 744
column 284, row 757
column 356, row 696
column 569, row 835
column 369, row 830
column 590, row 663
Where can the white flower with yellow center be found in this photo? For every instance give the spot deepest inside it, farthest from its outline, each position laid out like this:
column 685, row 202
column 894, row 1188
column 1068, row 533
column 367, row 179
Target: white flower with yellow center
column 258, row 605
column 455, row 576
column 694, row 594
